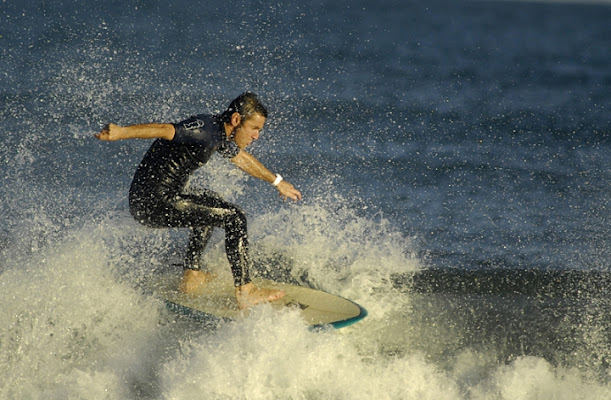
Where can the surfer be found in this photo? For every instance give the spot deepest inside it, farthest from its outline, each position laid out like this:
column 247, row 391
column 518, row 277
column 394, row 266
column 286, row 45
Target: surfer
column 157, row 196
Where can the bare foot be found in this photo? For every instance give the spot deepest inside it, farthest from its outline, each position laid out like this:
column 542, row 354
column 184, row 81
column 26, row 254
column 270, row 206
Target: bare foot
column 194, row 281
column 249, row 295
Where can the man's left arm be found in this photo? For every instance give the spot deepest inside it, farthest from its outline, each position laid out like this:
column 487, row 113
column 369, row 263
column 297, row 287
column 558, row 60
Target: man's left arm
column 248, row 163
column 112, row 132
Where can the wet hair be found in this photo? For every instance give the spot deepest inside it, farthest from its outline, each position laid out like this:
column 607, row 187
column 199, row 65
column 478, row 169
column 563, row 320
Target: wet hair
column 247, row 104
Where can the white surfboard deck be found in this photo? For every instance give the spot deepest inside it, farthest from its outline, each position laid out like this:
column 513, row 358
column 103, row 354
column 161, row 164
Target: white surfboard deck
column 217, row 299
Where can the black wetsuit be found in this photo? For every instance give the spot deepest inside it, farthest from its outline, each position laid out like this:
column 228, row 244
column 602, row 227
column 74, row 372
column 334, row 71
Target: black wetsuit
column 157, row 195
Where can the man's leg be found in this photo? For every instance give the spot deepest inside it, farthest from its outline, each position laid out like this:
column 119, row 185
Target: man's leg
column 203, row 211
column 236, row 247
column 197, row 243
column 195, row 276
column 209, row 209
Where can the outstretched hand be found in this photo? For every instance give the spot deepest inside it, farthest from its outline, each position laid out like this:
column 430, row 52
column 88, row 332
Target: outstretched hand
column 109, row 132
column 288, row 191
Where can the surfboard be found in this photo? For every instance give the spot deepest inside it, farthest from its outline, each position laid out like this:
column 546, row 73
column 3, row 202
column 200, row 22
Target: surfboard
column 319, row 309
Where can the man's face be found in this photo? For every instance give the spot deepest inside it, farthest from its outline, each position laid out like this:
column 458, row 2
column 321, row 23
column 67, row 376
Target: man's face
column 249, row 130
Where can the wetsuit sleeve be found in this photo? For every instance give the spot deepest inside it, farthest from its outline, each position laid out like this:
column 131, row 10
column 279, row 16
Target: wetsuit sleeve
column 191, row 131
column 204, row 131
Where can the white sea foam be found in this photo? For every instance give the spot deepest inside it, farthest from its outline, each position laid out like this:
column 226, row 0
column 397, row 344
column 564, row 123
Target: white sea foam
column 75, row 325
column 69, row 328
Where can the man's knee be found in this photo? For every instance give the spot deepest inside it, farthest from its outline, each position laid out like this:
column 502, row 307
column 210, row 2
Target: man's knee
column 237, row 218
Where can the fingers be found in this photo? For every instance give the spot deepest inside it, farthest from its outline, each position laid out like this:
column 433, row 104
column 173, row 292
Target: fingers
column 105, row 134
column 285, row 197
column 291, row 193
column 297, row 195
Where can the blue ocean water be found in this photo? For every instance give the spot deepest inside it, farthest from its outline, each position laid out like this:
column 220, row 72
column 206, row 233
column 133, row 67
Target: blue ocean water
column 454, row 161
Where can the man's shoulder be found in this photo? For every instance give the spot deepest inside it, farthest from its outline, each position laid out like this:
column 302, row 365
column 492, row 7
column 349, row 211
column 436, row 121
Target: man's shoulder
column 200, row 121
column 205, row 117
column 201, row 130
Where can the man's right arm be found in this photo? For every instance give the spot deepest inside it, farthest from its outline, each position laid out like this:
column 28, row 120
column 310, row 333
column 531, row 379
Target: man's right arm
column 112, row 132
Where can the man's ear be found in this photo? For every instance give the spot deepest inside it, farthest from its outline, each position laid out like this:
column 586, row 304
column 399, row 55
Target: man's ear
column 236, row 119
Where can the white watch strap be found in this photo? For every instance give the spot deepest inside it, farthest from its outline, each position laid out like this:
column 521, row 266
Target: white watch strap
column 278, row 180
